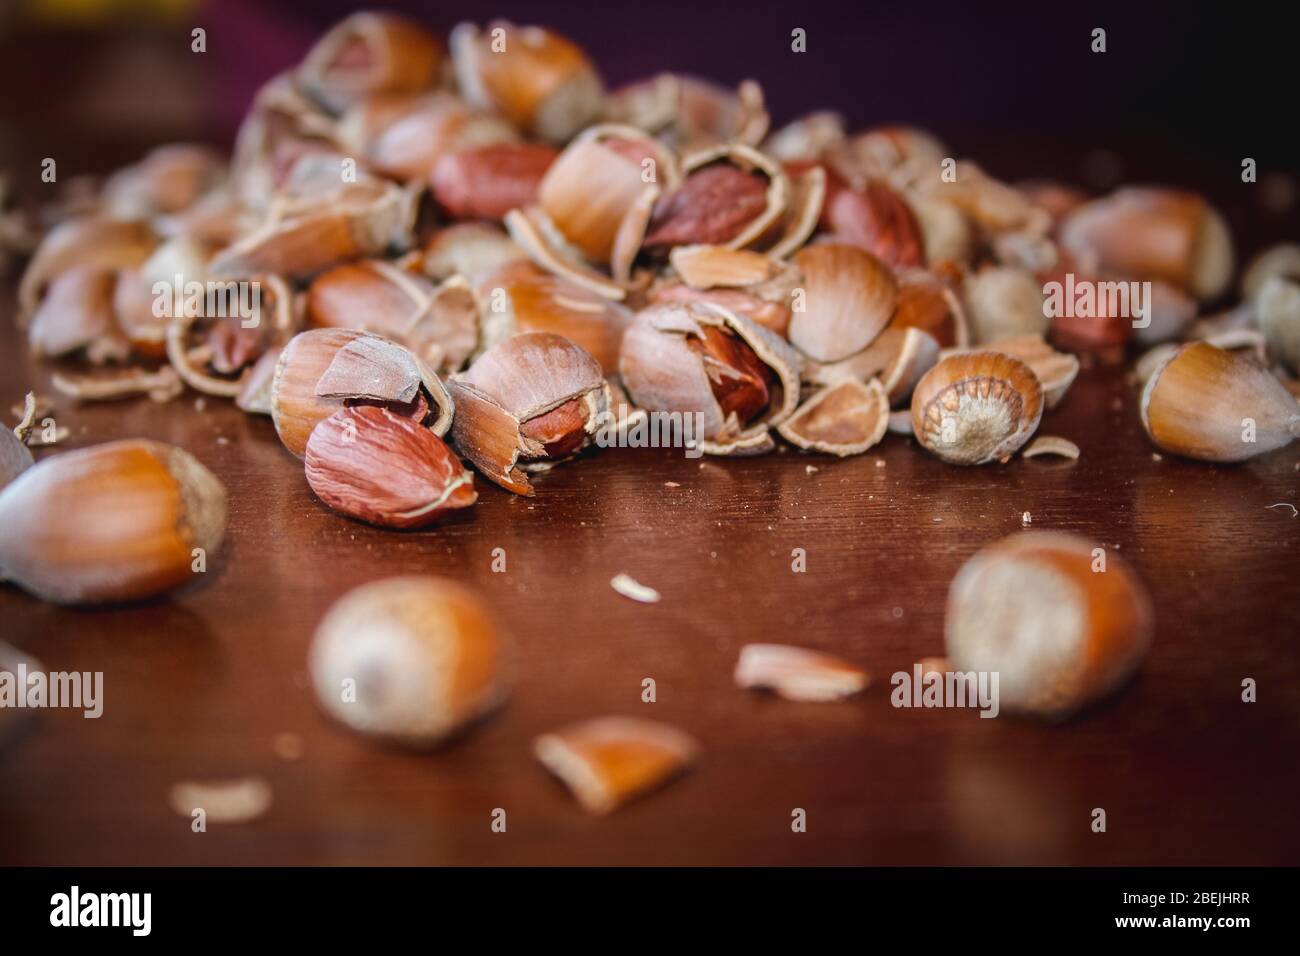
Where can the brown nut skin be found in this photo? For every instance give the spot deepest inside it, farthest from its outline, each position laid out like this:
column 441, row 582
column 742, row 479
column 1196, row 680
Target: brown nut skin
column 540, row 81
column 384, row 468
column 977, row 407
column 1208, row 403
column 877, row 219
column 713, row 206
column 368, row 295
column 367, row 54
column 1062, row 621
column 1152, row 232
column 486, row 183
column 112, row 522
column 731, row 195
column 424, row 657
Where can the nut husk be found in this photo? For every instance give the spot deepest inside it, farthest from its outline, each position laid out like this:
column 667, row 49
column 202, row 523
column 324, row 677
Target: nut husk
column 112, row 522
column 1060, row 625
column 85, row 243
column 1004, row 301
column 797, row 673
column 522, row 298
column 843, row 419
column 610, row 760
column 849, row 298
column 366, row 54
column 422, row 655
column 539, row 80
column 1214, row 405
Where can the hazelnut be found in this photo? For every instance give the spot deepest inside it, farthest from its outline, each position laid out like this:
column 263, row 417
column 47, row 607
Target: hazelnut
column 1061, row 621
column 975, row 408
column 1153, row 233
column 320, row 370
column 410, row 659
column 1208, row 403
column 112, row 522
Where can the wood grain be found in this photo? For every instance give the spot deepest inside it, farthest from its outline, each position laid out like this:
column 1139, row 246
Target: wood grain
column 199, row 684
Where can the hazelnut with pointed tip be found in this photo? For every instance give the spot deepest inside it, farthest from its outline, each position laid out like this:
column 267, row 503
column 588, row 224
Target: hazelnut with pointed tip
column 112, row 522
column 1208, row 403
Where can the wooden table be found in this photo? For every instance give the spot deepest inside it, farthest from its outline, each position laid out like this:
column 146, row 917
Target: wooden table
column 199, row 684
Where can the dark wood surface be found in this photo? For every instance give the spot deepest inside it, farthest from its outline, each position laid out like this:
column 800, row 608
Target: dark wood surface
column 199, row 684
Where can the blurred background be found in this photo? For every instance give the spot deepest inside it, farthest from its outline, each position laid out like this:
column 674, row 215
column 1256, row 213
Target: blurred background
column 1181, row 96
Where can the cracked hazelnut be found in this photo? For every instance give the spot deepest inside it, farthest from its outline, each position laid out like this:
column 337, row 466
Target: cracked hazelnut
column 526, row 403
column 699, row 357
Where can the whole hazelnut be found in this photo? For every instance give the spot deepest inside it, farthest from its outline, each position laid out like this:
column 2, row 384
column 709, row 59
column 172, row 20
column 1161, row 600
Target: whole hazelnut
column 411, row 659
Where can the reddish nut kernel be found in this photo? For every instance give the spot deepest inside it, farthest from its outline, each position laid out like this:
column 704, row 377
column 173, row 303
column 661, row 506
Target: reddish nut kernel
column 561, row 431
column 713, row 206
column 877, row 219
column 741, row 382
column 384, row 468
column 488, row 182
